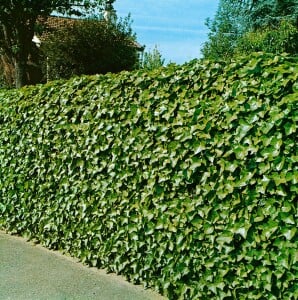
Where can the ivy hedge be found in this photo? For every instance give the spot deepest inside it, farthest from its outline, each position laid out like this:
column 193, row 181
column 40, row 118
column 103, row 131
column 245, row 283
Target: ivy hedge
column 183, row 178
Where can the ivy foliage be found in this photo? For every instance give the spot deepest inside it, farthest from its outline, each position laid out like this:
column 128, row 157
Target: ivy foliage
column 183, row 178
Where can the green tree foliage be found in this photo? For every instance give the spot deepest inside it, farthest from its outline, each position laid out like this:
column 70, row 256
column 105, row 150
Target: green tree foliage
column 153, row 59
column 90, row 47
column 273, row 40
column 228, row 24
column 17, row 24
column 241, row 27
column 270, row 13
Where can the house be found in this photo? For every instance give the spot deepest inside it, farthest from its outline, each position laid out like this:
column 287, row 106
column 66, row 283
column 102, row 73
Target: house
column 44, row 27
column 53, row 23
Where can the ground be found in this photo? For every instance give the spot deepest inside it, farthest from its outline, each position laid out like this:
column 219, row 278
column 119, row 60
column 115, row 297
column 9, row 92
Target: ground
column 29, row 271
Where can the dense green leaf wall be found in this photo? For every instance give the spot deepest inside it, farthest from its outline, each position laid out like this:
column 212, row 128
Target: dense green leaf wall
column 184, row 179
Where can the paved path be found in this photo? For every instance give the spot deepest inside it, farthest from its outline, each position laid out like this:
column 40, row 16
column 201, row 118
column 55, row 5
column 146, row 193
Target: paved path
column 30, row 272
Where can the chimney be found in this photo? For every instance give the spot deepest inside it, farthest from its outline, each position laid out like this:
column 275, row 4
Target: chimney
column 109, row 12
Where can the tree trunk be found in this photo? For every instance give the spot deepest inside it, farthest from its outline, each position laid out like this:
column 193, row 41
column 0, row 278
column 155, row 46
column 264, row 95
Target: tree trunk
column 7, row 69
column 20, row 72
column 23, row 37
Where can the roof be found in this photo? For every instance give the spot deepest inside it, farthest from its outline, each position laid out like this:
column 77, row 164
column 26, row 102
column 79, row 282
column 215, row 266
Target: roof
column 54, row 22
column 50, row 23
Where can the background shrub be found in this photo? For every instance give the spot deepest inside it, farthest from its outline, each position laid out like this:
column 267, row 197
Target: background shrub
column 281, row 39
column 89, row 47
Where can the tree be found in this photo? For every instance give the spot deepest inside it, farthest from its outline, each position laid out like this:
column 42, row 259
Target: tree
column 278, row 40
column 228, row 24
column 273, row 27
column 89, row 47
column 17, row 23
column 153, row 60
column 270, row 13
column 249, row 25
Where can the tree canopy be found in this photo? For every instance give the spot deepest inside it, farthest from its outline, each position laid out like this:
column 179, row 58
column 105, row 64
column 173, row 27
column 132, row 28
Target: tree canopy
column 17, row 25
column 152, row 59
column 270, row 13
column 252, row 25
column 228, row 24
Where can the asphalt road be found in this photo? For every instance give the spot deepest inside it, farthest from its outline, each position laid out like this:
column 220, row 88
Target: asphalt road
column 31, row 272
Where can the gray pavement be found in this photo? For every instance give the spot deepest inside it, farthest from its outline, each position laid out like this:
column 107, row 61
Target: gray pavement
column 31, row 272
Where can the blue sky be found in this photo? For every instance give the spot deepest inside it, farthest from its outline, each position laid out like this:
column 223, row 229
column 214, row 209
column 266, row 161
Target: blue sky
column 176, row 27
